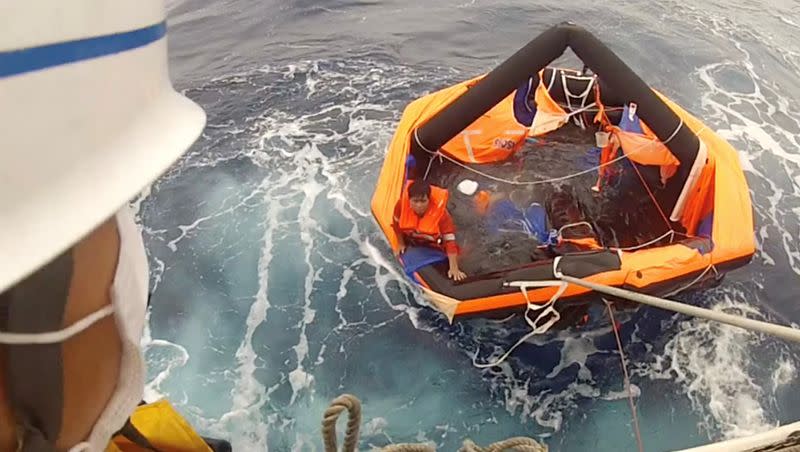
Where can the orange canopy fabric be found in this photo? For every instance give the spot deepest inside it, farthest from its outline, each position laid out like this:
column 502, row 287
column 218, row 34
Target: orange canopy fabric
column 390, row 180
column 646, row 149
column 491, row 138
column 733, row 229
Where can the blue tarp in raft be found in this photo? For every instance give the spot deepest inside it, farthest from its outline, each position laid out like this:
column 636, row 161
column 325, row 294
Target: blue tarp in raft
column 503, row 216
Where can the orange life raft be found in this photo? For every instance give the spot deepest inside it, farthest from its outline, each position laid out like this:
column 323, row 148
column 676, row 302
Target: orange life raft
column 689, row 176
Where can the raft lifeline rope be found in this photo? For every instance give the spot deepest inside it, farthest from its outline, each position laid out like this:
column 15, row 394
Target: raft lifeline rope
column 442, row 155
column 351, row 404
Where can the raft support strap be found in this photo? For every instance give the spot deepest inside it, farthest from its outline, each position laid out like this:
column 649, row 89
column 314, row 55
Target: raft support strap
column 544, row 309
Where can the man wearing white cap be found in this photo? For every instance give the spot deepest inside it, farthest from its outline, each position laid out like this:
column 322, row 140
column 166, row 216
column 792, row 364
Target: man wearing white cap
column 89, row 119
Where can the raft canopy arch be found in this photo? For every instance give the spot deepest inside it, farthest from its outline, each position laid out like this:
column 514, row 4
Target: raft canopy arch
column 618, row 82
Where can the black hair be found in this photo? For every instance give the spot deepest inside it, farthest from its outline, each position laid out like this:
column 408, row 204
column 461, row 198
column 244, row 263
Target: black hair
column 419, row 188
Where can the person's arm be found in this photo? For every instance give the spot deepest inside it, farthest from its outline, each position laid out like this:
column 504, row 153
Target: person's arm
column 448, row 230
column 401, row 243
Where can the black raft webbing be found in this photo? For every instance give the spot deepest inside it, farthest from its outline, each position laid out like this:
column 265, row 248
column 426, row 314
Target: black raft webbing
column 536, row 55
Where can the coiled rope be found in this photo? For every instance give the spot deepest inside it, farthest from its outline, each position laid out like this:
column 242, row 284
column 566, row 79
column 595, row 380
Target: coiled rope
column 340, row 404
column 351, row 404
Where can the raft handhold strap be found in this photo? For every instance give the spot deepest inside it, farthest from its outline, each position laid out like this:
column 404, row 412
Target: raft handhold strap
column 544, row 309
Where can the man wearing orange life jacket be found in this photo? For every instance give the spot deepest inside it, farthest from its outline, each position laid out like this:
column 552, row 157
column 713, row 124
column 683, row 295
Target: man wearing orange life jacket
column 421, row 219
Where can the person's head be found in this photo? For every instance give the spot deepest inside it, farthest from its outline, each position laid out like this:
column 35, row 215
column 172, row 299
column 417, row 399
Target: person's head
column 419, row 195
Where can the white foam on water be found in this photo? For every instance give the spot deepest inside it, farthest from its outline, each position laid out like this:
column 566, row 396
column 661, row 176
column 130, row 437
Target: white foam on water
column 716, row 365
column 375, row 426
column 391, row 274
column 575, row 351
column 245, row 420
column 547, row 407
column 152, row 389
column 712, row 363
column 635, row 391
column 290, row 146
column 788, row 21
column 299, row 378
column 785, row 372
column 304, row 443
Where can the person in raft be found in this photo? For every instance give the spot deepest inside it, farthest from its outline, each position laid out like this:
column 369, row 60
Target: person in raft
column 421, row 219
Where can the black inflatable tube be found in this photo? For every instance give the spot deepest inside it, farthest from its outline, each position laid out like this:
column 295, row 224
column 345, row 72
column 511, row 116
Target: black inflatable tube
column 536, row 55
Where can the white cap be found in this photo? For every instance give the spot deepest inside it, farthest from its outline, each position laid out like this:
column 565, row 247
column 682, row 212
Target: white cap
column 88, row 118
column 468, row 187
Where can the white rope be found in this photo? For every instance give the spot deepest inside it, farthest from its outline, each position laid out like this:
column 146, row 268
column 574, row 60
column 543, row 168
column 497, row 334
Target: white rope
column 544, row 181
column 669, row 233
column 572, row 225
column 545, row 309
column 675, row 132
column 430, row 163
column 555, row 179
column 419, row 142
column 583, row 96
column 537, row 182
column 694, row 281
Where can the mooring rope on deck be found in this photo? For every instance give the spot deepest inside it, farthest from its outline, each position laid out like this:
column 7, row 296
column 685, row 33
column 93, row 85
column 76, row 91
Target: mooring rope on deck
column 351, row 404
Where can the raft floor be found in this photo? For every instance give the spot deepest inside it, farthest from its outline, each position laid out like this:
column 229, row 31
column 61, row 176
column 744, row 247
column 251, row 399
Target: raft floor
column 623, row 214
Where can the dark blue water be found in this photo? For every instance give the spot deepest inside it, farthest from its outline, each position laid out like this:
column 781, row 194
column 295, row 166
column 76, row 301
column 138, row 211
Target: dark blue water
column 275, row 291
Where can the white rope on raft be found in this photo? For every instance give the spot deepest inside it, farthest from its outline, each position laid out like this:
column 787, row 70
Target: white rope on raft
column 543, row 181
column 543, row 310
column 784, row 332
column 671, row 234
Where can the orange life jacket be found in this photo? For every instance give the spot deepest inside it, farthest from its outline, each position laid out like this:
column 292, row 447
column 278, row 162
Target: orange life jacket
column 646, row 149
column 424, row 228
column 642, row 148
